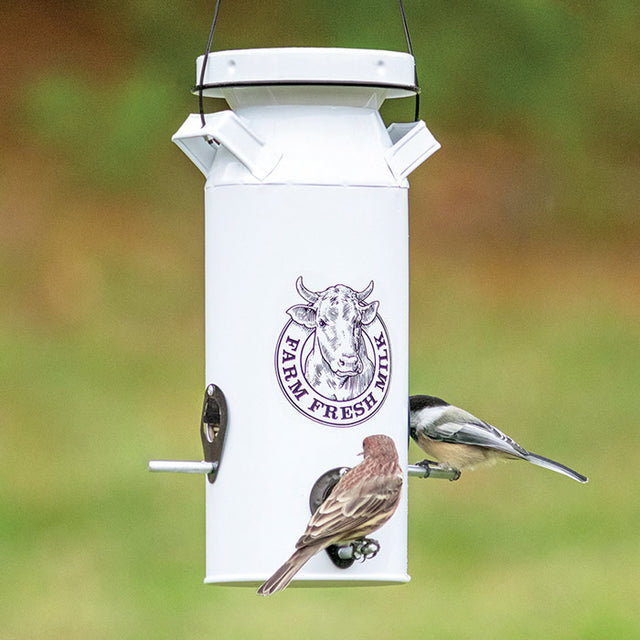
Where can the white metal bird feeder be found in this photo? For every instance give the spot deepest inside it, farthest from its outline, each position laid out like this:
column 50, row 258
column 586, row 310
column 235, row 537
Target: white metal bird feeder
column 306, row 252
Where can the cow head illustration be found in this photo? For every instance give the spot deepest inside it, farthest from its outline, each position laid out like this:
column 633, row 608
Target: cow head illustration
column 337, row 316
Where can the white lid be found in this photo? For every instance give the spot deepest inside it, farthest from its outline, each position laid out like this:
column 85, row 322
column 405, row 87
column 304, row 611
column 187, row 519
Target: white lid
column 390, row 70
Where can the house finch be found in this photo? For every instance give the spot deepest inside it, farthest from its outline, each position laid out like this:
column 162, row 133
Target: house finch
column 360, row 503
column 460, row 441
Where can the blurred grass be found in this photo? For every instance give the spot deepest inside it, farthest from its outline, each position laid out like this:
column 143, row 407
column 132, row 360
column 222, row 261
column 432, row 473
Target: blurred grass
column 96, row 547
column 525, row 310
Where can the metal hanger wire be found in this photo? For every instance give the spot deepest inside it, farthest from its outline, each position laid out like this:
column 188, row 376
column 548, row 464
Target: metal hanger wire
column 201, row 85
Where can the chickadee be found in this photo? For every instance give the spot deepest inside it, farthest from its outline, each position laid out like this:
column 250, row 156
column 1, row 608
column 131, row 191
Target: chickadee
column 460, row 441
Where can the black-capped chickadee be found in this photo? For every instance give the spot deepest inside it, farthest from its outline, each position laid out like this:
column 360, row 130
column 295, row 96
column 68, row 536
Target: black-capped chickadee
column 459, row 440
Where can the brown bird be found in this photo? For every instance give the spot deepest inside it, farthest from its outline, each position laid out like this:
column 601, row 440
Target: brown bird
column 459, row 440
column 360, row 503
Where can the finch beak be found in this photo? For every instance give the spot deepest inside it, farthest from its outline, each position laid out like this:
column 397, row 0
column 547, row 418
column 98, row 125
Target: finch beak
column 361, row 453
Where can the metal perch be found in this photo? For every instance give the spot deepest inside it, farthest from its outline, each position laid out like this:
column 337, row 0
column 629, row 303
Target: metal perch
column 184, row 466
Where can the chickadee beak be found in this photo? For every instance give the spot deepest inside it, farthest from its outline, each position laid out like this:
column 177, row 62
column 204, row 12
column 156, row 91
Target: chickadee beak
column 361, row 453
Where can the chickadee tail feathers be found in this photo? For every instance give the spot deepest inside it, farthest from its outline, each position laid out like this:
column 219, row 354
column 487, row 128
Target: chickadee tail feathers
column 555, row 466
column 283, row 576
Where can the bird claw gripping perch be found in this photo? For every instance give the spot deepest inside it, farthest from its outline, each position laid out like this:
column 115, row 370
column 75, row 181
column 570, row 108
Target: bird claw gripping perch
column 432, row 468
column 345, row 555
column 426, row 465
column 365, row 548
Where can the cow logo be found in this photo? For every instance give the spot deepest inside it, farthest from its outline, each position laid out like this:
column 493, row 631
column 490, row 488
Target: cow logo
column 333, row 359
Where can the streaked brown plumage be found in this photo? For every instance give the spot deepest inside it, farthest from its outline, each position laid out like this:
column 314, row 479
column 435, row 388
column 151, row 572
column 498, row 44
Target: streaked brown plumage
column 360, row 503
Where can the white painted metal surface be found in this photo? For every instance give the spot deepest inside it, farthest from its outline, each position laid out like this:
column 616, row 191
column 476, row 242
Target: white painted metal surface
column 305, row 201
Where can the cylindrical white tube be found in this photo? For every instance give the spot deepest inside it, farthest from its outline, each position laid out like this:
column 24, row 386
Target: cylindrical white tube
column 306, row 251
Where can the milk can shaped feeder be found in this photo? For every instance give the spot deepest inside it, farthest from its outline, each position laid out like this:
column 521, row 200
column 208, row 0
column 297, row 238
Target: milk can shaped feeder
column 306, row 292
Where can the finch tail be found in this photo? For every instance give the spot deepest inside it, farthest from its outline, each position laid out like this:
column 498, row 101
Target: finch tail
column 283, row 576
column 555, row 466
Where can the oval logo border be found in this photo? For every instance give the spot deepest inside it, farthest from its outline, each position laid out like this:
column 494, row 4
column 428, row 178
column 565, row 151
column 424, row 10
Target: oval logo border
column 289, row 369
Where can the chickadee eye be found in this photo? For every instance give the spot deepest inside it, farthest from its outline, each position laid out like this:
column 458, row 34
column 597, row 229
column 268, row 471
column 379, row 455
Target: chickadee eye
column 322, row 323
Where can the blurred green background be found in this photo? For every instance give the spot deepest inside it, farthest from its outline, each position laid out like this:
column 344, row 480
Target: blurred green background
column 525, row 271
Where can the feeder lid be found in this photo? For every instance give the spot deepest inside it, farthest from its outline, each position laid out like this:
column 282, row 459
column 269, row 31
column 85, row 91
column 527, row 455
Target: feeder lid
column 392, row 71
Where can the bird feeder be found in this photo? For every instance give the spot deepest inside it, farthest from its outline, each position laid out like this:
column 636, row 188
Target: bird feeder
column 306, row 294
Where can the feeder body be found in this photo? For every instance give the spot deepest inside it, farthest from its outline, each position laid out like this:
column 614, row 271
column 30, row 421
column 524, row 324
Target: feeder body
column 305, row 206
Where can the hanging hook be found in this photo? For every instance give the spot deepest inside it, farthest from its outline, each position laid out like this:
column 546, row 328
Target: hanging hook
column 204, row 63
column 214, row 22
column 416, row 115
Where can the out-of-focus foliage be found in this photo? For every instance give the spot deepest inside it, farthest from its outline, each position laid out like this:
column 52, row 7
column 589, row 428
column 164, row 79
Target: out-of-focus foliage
column 560, row 80
column 524, row 309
